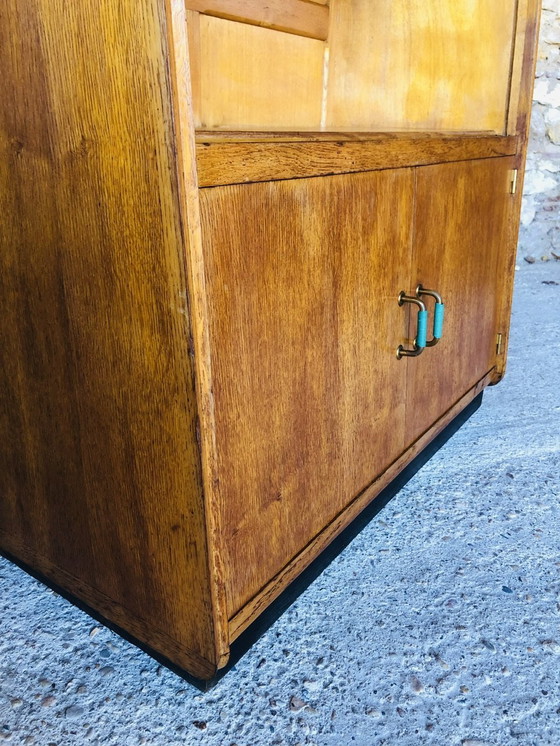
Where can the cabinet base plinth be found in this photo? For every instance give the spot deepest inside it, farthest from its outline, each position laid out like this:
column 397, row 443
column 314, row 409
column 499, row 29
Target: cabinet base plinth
column 257, row 628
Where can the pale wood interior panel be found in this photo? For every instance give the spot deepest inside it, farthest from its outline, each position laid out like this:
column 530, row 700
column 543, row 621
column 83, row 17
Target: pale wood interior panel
column 303, row 278
column 255, row 78
column 410, row 64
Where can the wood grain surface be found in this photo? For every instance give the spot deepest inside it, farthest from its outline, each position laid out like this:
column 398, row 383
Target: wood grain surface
column 253, row 77
column 197, row 295
column 277, row 584
column 303, row 278
column 422, row 65
column 99, row 467
column 462, row 217
column 292, row 16
column 444, row 65
column 258, row 136
column 236, row 160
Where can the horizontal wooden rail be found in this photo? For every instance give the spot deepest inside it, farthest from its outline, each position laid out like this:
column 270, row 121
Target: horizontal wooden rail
column 293, row 16
column 230, row 159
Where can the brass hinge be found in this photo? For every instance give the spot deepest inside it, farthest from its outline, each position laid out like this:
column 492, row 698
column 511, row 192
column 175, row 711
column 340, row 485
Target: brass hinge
column 499, row 344
column 513, row 181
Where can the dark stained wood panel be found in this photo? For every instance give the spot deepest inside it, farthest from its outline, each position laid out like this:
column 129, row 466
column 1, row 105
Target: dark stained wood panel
column 99, row 467
column 303, row 279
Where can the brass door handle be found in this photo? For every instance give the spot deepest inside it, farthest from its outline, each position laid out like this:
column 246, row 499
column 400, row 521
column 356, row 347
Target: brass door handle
column 421, row 326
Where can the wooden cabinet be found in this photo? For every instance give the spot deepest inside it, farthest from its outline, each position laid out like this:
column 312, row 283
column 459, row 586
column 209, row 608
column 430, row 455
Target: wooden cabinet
column 210, row 210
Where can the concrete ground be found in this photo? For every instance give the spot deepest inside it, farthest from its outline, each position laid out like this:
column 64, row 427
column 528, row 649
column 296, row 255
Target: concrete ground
column 439, row 624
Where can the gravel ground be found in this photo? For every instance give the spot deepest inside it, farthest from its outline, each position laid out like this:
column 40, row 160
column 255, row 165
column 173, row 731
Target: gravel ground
column 439, row 624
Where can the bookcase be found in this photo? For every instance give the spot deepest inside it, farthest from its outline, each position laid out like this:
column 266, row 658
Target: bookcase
column 254, row 258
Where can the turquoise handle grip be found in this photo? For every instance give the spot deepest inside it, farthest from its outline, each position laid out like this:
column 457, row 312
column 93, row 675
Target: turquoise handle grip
column 422, row 329
column 439, row 313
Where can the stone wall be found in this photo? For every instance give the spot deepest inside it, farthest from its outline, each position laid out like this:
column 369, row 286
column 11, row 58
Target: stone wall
column 539, row 238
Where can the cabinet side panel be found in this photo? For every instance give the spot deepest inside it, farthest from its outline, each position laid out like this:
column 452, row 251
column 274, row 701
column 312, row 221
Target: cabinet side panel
column 99, row 465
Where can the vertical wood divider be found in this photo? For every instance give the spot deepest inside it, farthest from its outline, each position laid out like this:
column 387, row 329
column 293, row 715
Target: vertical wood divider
column 326, row 72
column 197, row 303
column 518, row 123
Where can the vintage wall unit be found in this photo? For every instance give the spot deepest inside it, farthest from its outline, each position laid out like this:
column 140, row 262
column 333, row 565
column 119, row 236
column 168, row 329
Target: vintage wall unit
column 211, row 212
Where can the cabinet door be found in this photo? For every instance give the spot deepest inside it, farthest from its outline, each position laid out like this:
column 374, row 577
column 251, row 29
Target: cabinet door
column 462, row 249
column 302, row 281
